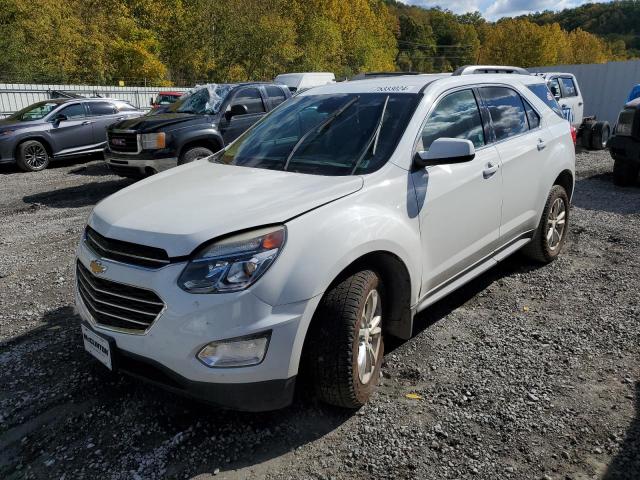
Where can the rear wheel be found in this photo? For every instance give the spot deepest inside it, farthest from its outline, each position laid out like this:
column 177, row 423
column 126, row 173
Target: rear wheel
column 600, row 134
column 32, row 156
column 345, row 344
column 551, row 234
column 194, row 153
column 624, row 173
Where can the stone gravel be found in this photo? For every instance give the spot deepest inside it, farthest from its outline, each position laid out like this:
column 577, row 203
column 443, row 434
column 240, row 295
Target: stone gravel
column 528, row 372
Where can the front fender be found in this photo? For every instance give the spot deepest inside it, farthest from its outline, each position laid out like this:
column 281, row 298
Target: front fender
column 323, row 243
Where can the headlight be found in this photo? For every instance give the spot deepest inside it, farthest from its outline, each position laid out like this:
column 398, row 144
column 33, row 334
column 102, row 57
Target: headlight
column 234, row 263
column 153, row 141
column 625, row 122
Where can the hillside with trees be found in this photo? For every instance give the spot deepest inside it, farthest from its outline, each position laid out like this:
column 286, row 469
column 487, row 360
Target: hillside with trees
column 182, row 42
column 617, row 22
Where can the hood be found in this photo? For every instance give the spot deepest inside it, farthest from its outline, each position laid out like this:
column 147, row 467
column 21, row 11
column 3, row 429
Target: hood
column 6, row 124
column 182, row 208
column 151, row 123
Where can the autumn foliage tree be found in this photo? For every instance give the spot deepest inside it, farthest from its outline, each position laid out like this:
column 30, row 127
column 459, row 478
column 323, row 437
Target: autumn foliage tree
column 190, row 41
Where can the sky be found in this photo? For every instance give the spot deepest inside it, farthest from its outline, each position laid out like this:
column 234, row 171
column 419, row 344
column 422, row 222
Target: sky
column 493, row 10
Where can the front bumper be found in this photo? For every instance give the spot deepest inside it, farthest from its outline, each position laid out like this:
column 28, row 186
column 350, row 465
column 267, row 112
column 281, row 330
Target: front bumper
column 625, row 148
column 7, row 149
column 188, row 322
column 138, row 165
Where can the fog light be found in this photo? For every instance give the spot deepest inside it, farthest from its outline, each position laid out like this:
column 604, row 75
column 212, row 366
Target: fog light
column 235, row 352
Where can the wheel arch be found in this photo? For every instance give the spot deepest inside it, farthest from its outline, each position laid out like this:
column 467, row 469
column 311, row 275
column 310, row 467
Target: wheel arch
column 565, row 180
column 396, row 294
column 47, row 145
column 212, row 142
column 396, row 297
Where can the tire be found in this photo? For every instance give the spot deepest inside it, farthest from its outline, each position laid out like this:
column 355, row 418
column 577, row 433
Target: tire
column 32, row 156
column 335, row 347
column 547, row 244
column 600, row 133
column 194, row 153
column 624, row 173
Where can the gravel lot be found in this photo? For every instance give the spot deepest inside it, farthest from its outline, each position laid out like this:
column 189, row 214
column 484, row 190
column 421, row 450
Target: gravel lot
column 527, row 373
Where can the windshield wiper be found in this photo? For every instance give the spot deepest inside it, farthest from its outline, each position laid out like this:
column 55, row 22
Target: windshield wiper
column 373, row 140
column 318, row 129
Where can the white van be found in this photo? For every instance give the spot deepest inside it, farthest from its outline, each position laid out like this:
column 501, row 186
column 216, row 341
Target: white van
column 304, row 81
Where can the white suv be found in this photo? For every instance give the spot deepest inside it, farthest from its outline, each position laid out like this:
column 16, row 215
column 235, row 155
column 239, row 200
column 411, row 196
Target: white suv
column 321, row 230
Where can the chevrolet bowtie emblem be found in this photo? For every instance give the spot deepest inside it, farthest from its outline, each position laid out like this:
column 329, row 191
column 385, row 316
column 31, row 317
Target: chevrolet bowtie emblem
column 97, row 267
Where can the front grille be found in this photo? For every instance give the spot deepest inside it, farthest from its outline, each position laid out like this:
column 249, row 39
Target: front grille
column 117, row 305
column 126, row 142
column 126, row 252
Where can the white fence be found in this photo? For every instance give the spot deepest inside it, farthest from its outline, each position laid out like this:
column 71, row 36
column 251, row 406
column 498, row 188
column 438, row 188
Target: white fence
column 605, row 86
column 15, row 96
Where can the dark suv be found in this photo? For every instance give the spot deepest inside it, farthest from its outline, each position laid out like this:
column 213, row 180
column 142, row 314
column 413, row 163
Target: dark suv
column 59, row 128
column 196, row 126
column 624, row 145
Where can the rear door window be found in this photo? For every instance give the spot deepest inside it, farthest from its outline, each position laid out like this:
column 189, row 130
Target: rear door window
column 276, row 95
column 250, row 98
column 508, row 115
column 456, row 116
column 101, row 108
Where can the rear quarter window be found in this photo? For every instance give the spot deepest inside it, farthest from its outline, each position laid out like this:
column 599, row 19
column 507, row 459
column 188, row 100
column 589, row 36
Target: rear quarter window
column 543, row 93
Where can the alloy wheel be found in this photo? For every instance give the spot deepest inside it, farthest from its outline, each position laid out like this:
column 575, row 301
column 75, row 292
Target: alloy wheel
column 369, row 337
column 35, row 156
column 556, row 223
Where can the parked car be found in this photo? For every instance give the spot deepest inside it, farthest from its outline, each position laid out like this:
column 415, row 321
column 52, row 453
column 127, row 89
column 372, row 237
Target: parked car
column 164, row 99
column 298, row 82
column 59, row 128
column 590, row 132
column 319, row 232
column 195, row 126
column 625, row 145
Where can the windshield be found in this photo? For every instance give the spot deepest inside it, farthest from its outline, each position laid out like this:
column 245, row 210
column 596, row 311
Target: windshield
column 202, row 99
column 544, row 94
column 335, row 134
column 37, row 111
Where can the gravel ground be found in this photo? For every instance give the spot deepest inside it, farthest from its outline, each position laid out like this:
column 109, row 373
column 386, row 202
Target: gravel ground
column 526, row 373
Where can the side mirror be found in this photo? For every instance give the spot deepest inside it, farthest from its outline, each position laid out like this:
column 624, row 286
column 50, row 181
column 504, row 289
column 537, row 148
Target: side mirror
column 446, row 151
column 236, row 109
column 61, row 117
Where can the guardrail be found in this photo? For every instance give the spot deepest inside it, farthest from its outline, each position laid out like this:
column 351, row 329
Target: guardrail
column 16, row 96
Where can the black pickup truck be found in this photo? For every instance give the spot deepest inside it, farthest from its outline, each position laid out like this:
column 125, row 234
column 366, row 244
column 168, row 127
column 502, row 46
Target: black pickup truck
column 624, row 145
column 196, row 126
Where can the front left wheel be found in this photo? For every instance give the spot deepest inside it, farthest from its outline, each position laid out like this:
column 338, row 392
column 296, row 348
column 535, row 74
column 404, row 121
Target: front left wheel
column 345, row 344
column 32, row 156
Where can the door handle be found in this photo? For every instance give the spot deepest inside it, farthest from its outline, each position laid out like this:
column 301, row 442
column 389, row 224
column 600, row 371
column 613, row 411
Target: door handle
column 580, row 104
column 490, row 170
column 87, row 122
column 541, row 144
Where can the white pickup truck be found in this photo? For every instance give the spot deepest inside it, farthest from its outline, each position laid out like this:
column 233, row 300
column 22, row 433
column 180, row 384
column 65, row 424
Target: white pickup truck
column 590, row 133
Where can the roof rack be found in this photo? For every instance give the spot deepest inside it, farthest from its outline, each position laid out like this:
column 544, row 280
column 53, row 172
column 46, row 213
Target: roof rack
column 473, row 69
column 362, row 76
